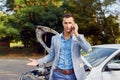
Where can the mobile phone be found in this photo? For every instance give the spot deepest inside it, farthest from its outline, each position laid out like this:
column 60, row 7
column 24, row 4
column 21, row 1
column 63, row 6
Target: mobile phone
column 73, row 28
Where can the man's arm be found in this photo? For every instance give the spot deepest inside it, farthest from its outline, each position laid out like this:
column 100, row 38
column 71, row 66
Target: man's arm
column 83, row 43
column 46, row 59
column 81, row 39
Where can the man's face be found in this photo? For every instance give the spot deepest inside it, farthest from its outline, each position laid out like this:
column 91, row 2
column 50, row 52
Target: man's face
column 67, row 24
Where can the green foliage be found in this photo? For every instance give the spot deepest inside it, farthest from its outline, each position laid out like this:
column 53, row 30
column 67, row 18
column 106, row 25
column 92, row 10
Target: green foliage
column 28, row 14
column 52, row 17
column 89, row 15
column 7, row 33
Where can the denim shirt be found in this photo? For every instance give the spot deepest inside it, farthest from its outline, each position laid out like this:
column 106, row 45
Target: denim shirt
column 65, row 60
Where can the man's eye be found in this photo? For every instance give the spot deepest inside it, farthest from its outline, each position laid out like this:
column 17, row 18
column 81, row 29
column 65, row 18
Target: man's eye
column 65, row 22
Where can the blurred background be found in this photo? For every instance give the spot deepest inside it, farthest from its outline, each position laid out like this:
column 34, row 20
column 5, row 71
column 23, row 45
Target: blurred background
column 98, row 20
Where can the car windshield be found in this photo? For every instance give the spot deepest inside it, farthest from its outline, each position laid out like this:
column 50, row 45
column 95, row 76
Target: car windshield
column 98, row 55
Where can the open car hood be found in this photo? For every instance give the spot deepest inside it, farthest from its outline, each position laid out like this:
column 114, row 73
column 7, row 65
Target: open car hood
column 44, row 35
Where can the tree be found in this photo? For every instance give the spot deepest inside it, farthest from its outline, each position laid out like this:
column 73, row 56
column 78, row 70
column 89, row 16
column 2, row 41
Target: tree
column 29, row 13
column 90, row 16
column 52, row 18
column 8, row 33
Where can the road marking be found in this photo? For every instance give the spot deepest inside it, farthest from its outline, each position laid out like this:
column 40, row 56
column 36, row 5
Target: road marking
column 8, row 73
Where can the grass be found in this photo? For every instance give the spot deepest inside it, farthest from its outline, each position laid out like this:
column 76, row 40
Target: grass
column 17, row 50
column 16, row 44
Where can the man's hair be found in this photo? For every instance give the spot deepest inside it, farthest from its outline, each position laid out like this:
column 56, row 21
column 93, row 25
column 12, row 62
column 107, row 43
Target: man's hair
column 67, row 15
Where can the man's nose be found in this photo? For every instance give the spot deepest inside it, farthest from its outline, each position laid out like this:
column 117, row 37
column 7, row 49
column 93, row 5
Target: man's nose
column 68, row 25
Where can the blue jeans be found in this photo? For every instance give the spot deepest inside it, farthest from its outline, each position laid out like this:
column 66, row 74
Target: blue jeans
column 59, row 76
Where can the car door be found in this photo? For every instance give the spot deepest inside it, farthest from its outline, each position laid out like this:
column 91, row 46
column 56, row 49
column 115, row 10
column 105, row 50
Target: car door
column 111, row 71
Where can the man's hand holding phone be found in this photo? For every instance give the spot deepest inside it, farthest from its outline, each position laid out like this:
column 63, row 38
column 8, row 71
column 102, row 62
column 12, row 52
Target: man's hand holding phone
column 75, row 29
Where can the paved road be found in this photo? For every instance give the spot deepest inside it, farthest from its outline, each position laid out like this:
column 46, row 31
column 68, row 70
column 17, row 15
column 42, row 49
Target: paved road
column 10, row 69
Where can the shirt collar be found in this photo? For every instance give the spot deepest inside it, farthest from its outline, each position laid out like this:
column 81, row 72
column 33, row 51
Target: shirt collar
column 62, row 35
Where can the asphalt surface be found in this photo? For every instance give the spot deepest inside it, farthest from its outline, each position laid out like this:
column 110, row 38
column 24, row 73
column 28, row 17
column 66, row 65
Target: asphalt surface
column 11, row 69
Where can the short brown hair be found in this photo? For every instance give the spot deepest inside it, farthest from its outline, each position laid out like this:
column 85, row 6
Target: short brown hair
column 67, row 15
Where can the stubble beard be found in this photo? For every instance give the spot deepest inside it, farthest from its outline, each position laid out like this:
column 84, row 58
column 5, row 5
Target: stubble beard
column 68, row 32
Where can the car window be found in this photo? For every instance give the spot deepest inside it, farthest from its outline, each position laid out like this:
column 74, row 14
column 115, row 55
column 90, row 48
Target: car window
column 116, row 59
column 98, row 55
column 113, row 64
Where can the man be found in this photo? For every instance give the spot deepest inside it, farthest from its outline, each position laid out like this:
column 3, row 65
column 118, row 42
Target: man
column 65, row 52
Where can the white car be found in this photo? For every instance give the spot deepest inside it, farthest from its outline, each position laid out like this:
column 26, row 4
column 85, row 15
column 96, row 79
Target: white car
column 102, row 63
